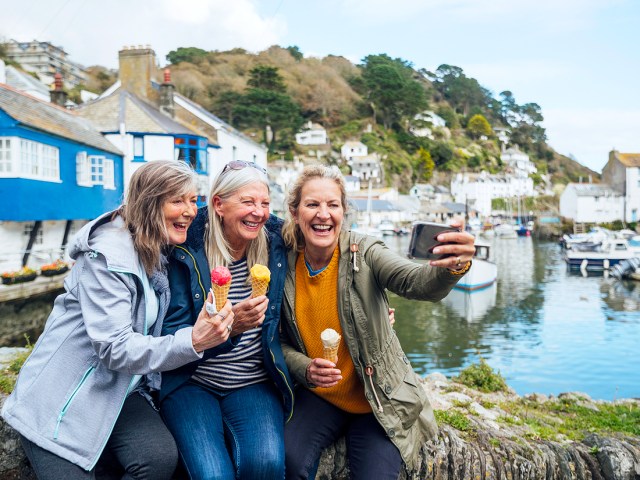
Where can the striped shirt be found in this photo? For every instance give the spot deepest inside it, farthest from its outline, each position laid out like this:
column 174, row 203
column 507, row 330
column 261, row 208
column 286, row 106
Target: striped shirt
column 243, row 365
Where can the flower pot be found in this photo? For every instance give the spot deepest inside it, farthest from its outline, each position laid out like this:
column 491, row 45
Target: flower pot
column 54, row 271
column 19, row 279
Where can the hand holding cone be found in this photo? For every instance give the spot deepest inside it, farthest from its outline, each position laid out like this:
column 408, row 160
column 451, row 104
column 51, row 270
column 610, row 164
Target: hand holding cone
column 260, row 278
column 330, row 343
column 220, row 285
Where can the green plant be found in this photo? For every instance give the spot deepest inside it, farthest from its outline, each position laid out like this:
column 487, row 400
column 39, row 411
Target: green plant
column 454, row 418
column 482, row 377
column 9, row 375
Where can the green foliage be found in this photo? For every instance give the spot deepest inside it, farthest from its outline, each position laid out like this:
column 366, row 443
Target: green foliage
column 9, row 375
column 424, row 166
column 266, row 77
column 454, row 418
column 449, row 116
column 295, row 52
column 441, row 153
column 482, row 377
column 225, row 105
column 462, row 92
column 185, row 54
column 479, row 126
column 575, row 419
column 391, row 89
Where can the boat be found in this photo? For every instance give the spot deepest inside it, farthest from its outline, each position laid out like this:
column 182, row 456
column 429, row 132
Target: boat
column 387, row 228
column 594, row 237
column 505, row 230
column 523, row 231
column 472, row 305
column 629, row 268
column 482, row 274
column 599, row 257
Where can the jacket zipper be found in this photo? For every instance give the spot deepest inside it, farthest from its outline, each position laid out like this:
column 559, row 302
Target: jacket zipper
column 68, row 402
column 195, row 266
column 284, row 378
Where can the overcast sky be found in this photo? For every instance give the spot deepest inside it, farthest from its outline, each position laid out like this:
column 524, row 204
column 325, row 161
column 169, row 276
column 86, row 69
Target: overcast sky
column 578, row 59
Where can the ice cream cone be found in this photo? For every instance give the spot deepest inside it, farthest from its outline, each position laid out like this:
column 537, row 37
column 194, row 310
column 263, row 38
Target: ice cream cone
column 330, row 344
column 260, row 278
column 220, row 293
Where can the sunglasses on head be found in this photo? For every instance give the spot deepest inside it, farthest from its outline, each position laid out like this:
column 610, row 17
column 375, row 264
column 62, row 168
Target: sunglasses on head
column 240, row 164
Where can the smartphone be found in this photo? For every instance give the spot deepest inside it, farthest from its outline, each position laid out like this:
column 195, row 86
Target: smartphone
column 424, row 239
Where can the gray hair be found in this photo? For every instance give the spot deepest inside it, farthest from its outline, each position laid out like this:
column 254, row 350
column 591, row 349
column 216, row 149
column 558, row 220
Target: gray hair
column 217, row 247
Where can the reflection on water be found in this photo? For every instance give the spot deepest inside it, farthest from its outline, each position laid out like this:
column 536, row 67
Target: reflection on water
column 545, row 329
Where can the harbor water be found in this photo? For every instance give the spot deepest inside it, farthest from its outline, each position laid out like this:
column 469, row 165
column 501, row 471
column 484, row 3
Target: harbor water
column 546, row 330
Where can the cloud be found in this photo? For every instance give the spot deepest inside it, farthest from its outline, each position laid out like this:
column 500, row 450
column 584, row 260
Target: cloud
column 92, row 33
column 591, row 133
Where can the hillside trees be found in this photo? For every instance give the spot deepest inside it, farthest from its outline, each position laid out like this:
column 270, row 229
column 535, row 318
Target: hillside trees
column 391, row 90
column 462, row 92
column 266, row 105
column 478, row 126
column 186, row 54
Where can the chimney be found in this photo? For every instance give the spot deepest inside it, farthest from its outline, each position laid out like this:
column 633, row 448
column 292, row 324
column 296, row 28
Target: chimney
column 166, row 95
column 58, row 95
column 137, row 69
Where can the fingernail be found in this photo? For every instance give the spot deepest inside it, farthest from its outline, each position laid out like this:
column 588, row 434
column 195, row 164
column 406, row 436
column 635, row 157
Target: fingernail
column 437, row 250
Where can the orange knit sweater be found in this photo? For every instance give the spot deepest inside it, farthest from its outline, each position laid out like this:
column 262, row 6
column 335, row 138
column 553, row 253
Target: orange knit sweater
column 317, row 309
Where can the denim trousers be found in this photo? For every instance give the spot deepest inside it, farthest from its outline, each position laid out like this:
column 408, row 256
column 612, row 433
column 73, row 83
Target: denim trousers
column 228, row 434
column 316, row 424
column 140, row 447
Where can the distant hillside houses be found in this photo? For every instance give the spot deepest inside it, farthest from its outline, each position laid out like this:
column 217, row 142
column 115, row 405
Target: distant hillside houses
column 424, row 123
column 45, row 60
column 312, row 134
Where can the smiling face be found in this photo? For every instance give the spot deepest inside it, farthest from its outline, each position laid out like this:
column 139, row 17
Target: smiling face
column 178, row 214
column 243, row 214
column 320, row 215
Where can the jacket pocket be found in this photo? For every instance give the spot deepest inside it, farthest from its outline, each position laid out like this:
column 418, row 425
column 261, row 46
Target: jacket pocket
column 405, row 400
column 69, row 401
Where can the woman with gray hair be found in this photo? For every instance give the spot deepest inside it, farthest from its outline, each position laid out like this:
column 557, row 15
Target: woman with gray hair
column 83, row 397
column 227, row 411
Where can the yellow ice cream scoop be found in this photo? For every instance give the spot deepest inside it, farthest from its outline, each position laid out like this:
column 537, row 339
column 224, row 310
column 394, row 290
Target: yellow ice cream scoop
column 260, row 277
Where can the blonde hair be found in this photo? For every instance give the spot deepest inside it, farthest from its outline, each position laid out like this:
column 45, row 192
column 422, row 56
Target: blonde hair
column 150, row 187
column 291, row 232
column 218, row 250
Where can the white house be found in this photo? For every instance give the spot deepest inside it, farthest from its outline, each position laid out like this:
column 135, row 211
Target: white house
column 424, row 122
column 478, row 189
column 366, row 168
column 352, row 149
column 352, row 183
column 24, row 82
column 591, row 203
column 518, row 161
column 622, row 172
column 312, row 134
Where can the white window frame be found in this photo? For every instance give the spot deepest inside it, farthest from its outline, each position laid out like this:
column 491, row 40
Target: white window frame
column 7, row 157
column 109, row 175
column 39, row 161
column 83, row 170
column 96, row 169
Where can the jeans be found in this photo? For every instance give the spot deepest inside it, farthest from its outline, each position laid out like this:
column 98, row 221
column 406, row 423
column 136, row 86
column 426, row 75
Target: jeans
column 316, row 424
column 228, row 434
column 140, row 447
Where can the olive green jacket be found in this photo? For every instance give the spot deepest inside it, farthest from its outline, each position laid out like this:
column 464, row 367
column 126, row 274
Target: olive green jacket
column 392, row 388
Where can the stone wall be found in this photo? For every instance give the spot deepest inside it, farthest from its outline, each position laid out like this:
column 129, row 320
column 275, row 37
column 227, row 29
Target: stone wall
column 493, row 450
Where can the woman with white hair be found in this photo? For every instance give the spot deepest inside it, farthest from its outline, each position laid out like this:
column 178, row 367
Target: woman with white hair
column 227, row 411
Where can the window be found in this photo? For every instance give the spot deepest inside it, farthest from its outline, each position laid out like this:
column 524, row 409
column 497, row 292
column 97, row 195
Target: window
column 5, row 156
column 39, row 161
column 94, row 170
column 192, row 150
column 138, row 149
column 83, row 167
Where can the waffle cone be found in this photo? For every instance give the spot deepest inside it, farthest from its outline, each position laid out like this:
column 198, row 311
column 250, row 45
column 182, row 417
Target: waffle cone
column 331, row 353
column 259, row 287
column 220, row 293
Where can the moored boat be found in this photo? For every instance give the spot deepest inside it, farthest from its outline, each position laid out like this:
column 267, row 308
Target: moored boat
column 482, row 274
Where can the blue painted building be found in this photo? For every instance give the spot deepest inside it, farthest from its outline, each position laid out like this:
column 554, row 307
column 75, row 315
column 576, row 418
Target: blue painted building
column 56, row 172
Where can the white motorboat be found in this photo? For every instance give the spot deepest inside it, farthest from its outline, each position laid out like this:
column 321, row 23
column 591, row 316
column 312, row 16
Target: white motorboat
column 505, row 230
column 599, row 257
column 482, row 274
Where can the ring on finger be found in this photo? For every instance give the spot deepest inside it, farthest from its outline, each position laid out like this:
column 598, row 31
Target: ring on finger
column 222, row 316
column 229, row 328
column 458, row 261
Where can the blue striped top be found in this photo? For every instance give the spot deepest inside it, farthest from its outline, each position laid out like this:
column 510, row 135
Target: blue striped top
column 243, row 365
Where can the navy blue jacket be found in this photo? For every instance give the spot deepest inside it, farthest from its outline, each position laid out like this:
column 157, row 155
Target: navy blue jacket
column 190, row 281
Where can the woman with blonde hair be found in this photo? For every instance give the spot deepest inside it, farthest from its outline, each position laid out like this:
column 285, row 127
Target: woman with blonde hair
column 84, row 396
column 337, row 280
column 227, row 411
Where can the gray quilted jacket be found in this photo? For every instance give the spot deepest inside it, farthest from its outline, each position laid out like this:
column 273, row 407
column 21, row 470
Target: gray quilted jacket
column 99, row 344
